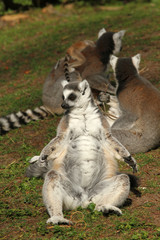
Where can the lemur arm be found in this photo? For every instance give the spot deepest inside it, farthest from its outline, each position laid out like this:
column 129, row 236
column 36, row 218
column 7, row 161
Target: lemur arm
column 52, row 155
column 55, row 144
column 101, row 83
column 119, row 149
column 75, row 52
column 54, row 147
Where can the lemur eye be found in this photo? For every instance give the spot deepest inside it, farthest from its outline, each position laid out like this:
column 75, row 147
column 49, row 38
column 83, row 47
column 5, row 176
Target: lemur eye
column 63, row 97
column 72, row 97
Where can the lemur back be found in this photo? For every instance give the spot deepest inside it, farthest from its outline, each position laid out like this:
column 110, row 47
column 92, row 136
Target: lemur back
column 138, row 127
column 79, row 164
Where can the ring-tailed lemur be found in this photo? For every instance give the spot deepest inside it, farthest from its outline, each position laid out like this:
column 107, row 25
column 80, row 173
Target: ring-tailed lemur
column 79, row 164
column 93, row 69
column 138, row 126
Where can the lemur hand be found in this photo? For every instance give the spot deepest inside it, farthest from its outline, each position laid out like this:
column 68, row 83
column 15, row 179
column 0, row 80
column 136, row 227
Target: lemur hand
column 131, row 162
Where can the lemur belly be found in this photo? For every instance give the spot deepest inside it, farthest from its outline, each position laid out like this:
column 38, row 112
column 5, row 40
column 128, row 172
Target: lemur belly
column 87, row 154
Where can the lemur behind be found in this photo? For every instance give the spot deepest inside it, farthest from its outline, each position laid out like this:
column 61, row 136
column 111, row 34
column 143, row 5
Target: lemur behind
column 80, row 164
column 138, row 127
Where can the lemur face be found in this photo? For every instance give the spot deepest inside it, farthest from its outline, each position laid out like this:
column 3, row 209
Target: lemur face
column 69, row 98
column 75, row 94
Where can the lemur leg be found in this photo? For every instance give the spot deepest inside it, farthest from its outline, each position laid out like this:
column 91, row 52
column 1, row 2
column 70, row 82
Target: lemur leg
column 113, row 194
column 53, row 195
column 79, row 59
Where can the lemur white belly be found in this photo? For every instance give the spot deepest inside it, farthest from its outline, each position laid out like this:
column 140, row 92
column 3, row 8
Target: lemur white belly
column 85, row 151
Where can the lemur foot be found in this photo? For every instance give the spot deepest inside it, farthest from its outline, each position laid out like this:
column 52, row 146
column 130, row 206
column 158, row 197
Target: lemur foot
column 59, row 220
column 107, row 208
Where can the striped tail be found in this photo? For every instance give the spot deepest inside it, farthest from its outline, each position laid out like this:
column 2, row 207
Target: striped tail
column 66, row 68
column 15, row 120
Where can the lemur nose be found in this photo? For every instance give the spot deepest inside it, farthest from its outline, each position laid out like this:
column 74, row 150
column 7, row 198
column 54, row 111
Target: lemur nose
column 64, row 105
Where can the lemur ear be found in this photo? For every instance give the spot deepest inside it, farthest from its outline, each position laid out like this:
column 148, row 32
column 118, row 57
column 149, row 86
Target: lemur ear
column 119, row 35
column 101, row 32
column 136, row 61
column 113, row 61
column 83, row 86
column 64, row 83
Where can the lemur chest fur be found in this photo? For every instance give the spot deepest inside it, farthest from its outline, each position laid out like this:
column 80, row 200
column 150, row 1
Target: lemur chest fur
column 85, row 124
column 85, row 154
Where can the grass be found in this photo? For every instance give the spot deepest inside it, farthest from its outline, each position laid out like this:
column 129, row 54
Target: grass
column 28, row 51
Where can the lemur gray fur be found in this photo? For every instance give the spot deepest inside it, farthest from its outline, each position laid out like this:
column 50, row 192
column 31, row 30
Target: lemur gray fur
column 138, row 126
column 93, row 69
column 79, row 165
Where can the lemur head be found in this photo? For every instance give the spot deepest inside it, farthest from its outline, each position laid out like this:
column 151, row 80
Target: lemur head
column 125, row 66
column 75, row 94
column 110, row 41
